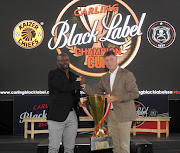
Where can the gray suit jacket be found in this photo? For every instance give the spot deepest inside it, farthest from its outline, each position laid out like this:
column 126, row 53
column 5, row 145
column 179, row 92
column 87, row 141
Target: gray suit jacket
column 125, row 88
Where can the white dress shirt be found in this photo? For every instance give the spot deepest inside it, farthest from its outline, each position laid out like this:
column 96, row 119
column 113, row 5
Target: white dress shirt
column 112, row 78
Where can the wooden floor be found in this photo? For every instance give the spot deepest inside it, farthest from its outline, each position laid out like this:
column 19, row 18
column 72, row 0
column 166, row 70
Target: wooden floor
column 17, row 144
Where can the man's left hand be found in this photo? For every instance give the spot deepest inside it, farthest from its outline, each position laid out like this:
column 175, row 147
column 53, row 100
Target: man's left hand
column 82, row 102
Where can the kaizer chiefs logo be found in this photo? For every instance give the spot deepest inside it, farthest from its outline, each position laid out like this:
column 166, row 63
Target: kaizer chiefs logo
column 161, row 34
column 28, row 34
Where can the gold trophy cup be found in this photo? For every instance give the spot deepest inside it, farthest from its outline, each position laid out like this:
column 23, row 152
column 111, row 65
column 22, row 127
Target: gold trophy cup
column 100, row 139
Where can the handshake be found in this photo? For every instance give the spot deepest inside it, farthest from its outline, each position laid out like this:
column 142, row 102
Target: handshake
column 82, row 80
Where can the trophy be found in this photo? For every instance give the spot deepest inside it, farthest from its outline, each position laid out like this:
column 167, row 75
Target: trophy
column 89, row 20
column 100, row 139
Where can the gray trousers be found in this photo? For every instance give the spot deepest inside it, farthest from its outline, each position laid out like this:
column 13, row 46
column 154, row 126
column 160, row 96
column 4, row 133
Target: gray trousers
column 63, row 132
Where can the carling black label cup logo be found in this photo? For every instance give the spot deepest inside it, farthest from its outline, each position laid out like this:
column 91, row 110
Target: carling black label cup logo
column 141, row 111
column 85, row 30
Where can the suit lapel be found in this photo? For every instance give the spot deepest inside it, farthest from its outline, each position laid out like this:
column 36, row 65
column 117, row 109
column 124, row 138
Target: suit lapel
column 118, row 76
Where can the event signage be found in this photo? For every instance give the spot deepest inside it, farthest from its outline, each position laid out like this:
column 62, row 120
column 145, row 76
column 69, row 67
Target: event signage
column 87, row 30
column 141, row 33
column 28, row 34
column 151, row 106
column 37, row 106
column 161, row 34
column 33, row 107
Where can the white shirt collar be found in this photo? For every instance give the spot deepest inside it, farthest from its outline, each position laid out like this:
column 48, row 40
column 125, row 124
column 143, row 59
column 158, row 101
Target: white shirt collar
column 115, row 71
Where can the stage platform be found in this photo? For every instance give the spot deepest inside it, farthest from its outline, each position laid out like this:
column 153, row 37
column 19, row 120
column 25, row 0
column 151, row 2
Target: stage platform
column 17, row 144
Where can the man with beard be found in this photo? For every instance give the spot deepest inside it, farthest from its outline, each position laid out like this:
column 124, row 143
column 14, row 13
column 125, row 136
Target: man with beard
column 64, row 88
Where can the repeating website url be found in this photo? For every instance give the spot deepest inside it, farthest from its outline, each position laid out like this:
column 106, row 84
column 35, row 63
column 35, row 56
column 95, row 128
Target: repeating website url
column 46, row 92
column 25, row 92
column 159, row 92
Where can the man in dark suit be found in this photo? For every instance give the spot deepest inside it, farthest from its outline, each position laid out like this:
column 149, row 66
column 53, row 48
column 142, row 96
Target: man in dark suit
column 64, row 88
column 121, row 85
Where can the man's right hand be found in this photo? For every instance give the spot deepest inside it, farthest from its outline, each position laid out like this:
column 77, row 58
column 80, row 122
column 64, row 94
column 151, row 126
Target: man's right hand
column 78, row 79
column 83, row 80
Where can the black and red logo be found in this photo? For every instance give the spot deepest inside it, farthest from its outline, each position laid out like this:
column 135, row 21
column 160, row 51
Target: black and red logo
column 161, row 34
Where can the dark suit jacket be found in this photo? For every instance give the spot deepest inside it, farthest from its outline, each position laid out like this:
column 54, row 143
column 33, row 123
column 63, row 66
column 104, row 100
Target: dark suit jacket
column 64, row 94
column 125, row 88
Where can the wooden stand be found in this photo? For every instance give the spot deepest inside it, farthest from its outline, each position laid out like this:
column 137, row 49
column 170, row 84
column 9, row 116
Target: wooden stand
column 32, row 131
column 158, row 130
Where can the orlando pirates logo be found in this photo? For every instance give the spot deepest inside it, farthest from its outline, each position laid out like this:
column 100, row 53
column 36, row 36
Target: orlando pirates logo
column 161, row 34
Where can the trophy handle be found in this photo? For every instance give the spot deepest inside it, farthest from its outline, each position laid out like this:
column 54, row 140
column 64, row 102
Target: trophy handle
column 87, row 112
column 107, row 111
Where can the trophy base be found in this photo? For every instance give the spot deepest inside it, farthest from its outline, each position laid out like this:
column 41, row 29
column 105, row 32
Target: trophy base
column 100, row 143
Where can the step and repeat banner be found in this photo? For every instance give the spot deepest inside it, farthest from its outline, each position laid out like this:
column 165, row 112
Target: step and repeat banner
column 144, row 34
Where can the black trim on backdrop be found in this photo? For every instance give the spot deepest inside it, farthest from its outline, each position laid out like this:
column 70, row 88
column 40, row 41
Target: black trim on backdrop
column 6, row 118
column 174, row 113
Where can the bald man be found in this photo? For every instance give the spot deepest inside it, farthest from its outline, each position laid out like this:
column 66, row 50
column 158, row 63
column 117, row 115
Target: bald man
column 64, row 88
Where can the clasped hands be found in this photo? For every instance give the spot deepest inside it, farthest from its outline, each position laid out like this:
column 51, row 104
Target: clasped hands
column 81, row 79
column 110, row 99
column 82, row 103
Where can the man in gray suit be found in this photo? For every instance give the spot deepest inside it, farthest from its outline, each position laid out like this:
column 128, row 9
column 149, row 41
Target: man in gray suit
column 121, row 85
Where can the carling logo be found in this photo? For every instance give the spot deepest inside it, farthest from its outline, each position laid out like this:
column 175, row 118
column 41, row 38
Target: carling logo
column 86, row 30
